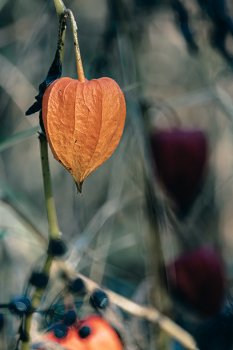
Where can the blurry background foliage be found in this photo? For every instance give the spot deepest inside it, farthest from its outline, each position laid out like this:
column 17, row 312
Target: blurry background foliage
column 140, row 45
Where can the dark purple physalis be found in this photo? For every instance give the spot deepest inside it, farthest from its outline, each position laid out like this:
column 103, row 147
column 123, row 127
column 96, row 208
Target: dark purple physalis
column 180, row 156
column 197, row 279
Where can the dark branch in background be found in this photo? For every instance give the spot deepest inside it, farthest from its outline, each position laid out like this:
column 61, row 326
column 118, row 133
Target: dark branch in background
column 182, row 19
column 118, row 21
column 218, row 13
column 100, row 63
column 146, row 5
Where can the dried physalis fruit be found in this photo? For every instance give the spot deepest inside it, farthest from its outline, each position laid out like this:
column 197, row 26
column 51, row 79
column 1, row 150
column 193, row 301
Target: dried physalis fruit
column 181, row 158
column 92, row 333
column 197, row 278
column 84, row 122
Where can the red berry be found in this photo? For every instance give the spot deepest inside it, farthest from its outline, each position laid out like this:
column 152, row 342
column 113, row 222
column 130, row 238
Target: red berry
column 180, row 156
column 197, row 278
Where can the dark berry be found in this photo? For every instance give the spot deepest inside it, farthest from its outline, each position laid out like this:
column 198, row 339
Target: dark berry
column 20, row 305
column 99, row 299
column 84, row 332
column 77, row 286
column 39, row 279
column 60, row 330
column 70, row 318
column 57, row 247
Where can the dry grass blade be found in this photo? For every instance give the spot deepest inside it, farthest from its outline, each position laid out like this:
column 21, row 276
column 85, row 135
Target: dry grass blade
column 21, row 136
column 226, row 102
column 115, row 189
column 16, row 31
column 192, row 98
column 24, row 219
column 103, row 214
column 16, row 85
column 102, row 252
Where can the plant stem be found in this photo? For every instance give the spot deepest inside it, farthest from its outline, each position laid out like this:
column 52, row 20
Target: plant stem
column 62, row 35
column 60, row 7
column 50, row 207
column 52, row 219
column 61, row 10
column 53, row 232
column 79, row 64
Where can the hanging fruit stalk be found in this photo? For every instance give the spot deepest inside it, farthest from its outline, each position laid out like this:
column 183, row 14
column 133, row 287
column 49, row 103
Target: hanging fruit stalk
column 83, row 120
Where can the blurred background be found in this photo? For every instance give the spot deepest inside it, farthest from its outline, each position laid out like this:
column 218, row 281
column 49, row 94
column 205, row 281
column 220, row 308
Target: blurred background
column 157, row 215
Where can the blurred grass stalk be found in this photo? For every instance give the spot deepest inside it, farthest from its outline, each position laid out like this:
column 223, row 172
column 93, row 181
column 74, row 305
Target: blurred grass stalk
column 53, row 234
column 19, row 137
column 128, row 52
column 114, row 192
column 23, row 218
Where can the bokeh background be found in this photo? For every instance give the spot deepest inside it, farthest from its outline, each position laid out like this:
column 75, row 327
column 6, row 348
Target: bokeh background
column 173, row 61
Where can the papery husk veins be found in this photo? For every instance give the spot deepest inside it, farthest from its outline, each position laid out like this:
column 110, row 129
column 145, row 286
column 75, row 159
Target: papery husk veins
column 83, row 122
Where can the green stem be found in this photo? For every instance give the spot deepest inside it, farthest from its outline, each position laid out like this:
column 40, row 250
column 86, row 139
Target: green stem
column 50, row 207
column 79, row 64
column 60, row 7
column 34, row 304
column 51, row 213
column 53, row 232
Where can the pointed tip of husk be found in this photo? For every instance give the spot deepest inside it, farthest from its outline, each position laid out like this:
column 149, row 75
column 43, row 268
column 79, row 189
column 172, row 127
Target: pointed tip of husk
column 79, row 186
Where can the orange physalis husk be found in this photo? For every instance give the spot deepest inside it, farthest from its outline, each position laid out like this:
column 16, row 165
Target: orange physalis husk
column 84, row 122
